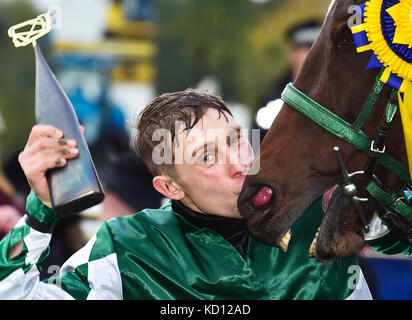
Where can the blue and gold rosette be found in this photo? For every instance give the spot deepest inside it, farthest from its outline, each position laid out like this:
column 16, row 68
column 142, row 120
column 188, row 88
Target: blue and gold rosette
column 387, row 31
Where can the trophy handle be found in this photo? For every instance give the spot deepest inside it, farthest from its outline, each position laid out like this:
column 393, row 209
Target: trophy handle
column 38, row 27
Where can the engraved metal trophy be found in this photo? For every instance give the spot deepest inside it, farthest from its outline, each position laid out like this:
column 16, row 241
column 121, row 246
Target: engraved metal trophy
column 76, row 186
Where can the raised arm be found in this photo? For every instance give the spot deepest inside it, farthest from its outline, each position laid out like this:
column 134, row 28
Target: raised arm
column 27, row 244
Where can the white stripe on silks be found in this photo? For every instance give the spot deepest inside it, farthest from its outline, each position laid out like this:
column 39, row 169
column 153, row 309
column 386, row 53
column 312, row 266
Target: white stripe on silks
column 104, row 279
column 46, row 291
column 78, row 258
column 10, row 287
column 36, row 290
column 29, row 283
column 361, row 292
column 19, row 285
column 36, row 243
column 21, row 222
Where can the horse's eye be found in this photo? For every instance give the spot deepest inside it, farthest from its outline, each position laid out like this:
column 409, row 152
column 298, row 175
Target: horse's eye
column 344, row 37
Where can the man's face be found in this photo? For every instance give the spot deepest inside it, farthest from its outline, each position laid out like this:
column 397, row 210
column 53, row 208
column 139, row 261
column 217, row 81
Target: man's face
column 211, row 162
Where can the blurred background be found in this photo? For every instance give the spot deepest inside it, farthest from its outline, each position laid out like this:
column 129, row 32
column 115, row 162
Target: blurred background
column 113, row 56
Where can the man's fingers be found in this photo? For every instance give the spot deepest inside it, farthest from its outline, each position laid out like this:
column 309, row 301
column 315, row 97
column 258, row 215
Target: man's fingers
column 45, row 143
column 46, row 154
column 46, row 149
column 67, row 142
column 39, row 163
column 58, row 158
column 60, row 161
column 42, row 130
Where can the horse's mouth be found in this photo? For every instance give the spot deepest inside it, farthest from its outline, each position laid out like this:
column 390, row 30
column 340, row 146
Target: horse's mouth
column 339, row 235
column 341, row 230
column 257, row 203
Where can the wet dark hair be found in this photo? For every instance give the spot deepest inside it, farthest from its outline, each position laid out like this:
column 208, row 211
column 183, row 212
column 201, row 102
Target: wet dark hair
column 187, row 106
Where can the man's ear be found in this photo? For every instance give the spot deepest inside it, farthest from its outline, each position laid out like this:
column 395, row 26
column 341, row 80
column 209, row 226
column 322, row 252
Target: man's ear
column 168, row 187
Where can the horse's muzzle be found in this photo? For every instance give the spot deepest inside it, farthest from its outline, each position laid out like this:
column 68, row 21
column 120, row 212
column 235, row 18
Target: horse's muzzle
column 257, row 202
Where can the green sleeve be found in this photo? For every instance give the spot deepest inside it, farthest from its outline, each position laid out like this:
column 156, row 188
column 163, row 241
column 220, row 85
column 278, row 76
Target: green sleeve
column 93, row 271
column 19, row 277
column 35, row 249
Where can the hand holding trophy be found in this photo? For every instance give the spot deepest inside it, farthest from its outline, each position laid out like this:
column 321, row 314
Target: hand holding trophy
column 76, row 186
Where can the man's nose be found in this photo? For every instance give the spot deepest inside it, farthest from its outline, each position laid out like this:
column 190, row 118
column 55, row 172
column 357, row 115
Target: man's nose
column 239, row 162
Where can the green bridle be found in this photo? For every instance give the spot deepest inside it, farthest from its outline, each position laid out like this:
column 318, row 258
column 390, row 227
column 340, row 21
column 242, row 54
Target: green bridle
column 352, row 133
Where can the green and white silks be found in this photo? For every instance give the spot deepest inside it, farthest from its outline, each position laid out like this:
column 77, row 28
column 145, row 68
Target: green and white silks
column 156, row 254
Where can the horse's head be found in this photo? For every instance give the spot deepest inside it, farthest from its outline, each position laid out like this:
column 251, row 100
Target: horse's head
column 297, row 161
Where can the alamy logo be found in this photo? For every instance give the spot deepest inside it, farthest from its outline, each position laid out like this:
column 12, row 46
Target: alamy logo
column 207, row 147
column 354, row 278
column 356, row 18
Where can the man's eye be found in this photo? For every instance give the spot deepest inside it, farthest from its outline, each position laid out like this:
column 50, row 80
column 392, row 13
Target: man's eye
column 234, row 140
column 209, row 158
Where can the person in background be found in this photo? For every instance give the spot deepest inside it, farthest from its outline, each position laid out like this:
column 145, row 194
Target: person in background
column 299, row 38
column 10, row 209
column 128, row 187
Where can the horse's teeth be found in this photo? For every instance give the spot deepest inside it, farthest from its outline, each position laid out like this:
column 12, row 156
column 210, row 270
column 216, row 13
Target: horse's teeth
column 312, row 248
column 284, row 243
column 313, row 245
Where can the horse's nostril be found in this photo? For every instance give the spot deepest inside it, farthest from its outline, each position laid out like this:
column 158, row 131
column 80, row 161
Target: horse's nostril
column 262, row 197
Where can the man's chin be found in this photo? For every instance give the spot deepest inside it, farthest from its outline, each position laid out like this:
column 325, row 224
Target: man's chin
column 230, row 212
column 235, row 214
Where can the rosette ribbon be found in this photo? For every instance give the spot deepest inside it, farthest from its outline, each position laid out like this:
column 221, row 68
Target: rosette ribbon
column 386, row 30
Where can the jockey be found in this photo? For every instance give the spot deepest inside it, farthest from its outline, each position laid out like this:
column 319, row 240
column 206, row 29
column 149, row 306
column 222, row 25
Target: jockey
column 196, row 246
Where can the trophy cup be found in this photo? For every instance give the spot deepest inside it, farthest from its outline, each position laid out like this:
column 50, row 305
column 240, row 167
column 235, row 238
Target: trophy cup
column 76, row 186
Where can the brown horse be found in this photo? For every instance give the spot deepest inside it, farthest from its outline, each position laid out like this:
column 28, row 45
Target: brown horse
column 297, row 160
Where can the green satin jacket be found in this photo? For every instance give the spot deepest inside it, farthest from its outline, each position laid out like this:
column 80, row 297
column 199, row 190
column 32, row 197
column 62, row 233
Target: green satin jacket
column 156, row 254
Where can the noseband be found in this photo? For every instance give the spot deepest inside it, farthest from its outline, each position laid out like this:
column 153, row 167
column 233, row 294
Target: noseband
column 391, row 206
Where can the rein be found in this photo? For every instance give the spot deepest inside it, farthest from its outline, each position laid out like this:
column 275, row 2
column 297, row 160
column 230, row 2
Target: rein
column 391, row 205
